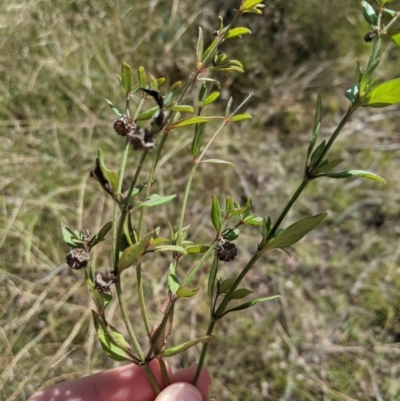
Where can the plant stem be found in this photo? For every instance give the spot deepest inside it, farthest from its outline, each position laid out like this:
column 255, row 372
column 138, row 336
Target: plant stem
column 193, row 273
column 288, row 206
column 211, row 140
column 152, row 379
column 332, row 139
column 128, row 325
column 184, row 202
column 141, row 298
column 203, row 353
column 164, row 372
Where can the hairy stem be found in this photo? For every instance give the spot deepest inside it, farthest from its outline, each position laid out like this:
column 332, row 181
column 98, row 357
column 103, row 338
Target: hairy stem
column 152, row 379
column 142, row 302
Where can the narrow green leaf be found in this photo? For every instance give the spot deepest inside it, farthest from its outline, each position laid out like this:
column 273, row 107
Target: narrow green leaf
column 173, row 248
column 211, row 98
column 212, row 276
column 110, row 175
column 210, row 80
column 385, row 94
column 255, row 10
column 228, row 205
column 241, row 293
column 295, row 232
column 225, row 286
column 229, row 68
column 172, row 94
column 183, row 108
column 185, row 346
column 369, row 13
column 197, row 139
column 159, row 240
column 113, row 108
column 155, row 200
column 151, row 81
column 196, row 249
column 133, row 253
column 240, row 117
column 101, row 234
column 160, row 82
column 317, row 153
column 126, row 76
column 146, row 115
column 253, row 220
column 193, row 120
column 216, row 214
column 251, row 303
column 329, row 165
column 186, row 292
column 173, row 283
column 357, row 173
column 210, row 51
column 235, row 32
column 200, row 45
column 142, row 77
column 316, row 128
column 112, row 341
column 392, row 13
column 217, row 161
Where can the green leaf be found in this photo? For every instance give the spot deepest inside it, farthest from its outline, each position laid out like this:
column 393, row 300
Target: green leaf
column 172, row 94
column 186, row 292
column 159, row 240
column 228, row 206
column 251, row 303
column 211, row 98
column 225, row 286
column 212, row 276
column 68, row 236
column 126, row 77
column 327, row 165
column 241, row 293
column 216, row 217
column 210, row 80
column 185, row 346
column 196, row 249
column 197, row 139
column 193, row 120
column 208, row 54
column 396, row 39
column 146, row 115
column 217, row 161
column 247, row 4
column 352, row 93
column 183, row 108
column 155, row 200
column 253, row 220
column 173, row 248
column 109, row 175
column 133, row 253
column 112, row 341
column 240, row 117
column 229, row 68
column 317, row 153
column 385, row 94
column 113, row 108
column 200, row 45
column 173, row 283
column 369, row 13
column 392, row 13
column 235, row 32
column 151, row 81
column 101, row 234
column 295, row 232
column 142, row 77
column 357, row 173
column 316, row 128
column 230, row 234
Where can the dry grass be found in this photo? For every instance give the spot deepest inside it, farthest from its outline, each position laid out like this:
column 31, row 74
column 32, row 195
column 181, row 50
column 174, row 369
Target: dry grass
column 335, row 334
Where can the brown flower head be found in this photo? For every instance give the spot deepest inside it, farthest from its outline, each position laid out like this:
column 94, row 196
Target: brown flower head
column 103, row 279
column 124, row 125
column 77, row 258
column 226, row 251
column 142, row 139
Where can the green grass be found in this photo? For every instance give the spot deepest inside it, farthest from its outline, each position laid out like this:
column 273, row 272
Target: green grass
column 335, row 333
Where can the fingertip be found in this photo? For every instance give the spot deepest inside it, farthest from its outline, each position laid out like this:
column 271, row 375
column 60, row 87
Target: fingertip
column 180, row 392
column 187, row 375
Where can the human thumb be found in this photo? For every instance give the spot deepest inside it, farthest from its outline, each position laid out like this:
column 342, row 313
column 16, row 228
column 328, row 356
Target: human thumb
column 180, row 392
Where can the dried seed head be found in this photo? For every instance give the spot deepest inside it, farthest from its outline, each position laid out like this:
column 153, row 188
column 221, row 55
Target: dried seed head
column 99, row 176
column 77, row 258
column 226, row 251
column 103, row 279
column 369, row 37
column 142, row 139
column 124, row 125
